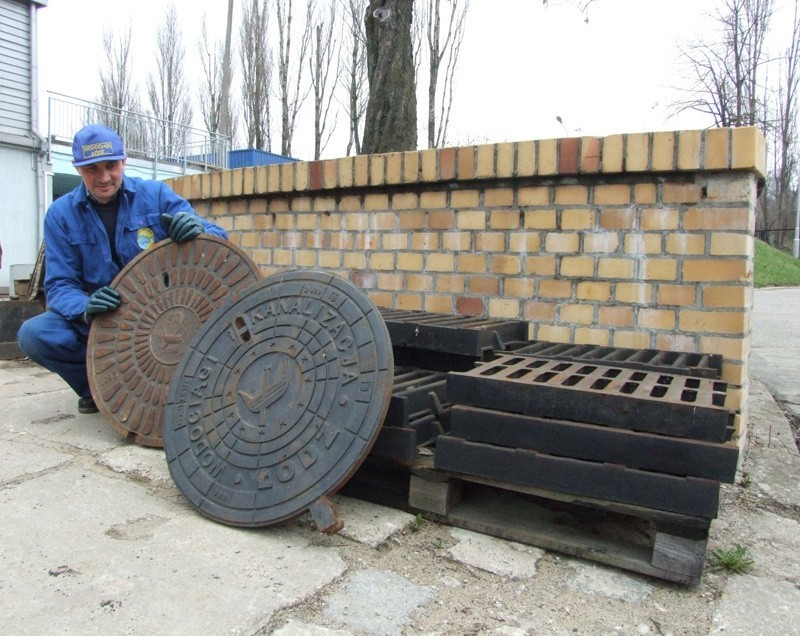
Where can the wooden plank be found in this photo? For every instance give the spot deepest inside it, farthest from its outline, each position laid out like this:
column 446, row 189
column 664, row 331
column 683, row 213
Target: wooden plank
column 688, row 496
column 679, row 554
column 437, row 497
column 659, row 453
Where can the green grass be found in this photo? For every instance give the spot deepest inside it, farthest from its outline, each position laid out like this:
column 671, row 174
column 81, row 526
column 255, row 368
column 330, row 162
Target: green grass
column 774, row 268
column 734, row 560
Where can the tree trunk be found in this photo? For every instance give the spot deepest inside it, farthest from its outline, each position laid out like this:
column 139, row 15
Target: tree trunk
column 391, row 120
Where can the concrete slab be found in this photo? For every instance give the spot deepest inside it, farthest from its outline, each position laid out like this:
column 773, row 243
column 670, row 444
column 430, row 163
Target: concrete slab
column 101, row 554
column 370, row 523
column 22, row 457
column 19, row 379
column 610, row 583
column 505, row 558
column 377, row 602
column 753, row 606
column 299, row 628
column 147, row 464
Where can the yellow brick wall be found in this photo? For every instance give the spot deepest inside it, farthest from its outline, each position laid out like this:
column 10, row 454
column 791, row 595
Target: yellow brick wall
column 641, row 240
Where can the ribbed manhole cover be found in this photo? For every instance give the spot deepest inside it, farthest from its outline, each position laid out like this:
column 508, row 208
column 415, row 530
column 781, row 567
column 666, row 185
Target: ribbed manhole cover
column 168, row 291
column 278, row 400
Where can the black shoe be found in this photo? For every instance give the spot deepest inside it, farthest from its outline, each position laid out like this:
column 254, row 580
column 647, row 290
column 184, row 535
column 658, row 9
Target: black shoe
column 87, row 405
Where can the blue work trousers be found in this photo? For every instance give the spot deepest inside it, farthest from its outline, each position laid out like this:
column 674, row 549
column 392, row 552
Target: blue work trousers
column 59, row 345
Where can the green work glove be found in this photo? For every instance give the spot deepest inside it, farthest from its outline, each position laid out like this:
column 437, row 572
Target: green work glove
column 103, row 300
column 183, row 226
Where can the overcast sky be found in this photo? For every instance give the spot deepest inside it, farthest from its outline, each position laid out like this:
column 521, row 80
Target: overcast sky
column 521, row 64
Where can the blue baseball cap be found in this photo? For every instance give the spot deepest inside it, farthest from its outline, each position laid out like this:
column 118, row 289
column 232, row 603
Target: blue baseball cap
column 95, row 143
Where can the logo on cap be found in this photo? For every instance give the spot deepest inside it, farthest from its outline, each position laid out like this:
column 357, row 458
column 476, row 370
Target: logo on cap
column 97, row 150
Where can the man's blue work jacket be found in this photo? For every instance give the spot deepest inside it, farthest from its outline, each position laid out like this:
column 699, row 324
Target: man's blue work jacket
column 78, row 257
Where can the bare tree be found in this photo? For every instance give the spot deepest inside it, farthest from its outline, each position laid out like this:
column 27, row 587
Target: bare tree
column 443, row 49
column 391, row 120
column 324, row 57
column 256, row 59
column 290, row 68
column 116, row 90
column 211, row 93
column 168, row 90
column 354, row 71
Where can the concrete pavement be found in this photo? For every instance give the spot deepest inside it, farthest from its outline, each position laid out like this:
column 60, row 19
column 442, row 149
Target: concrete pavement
column 96, row 539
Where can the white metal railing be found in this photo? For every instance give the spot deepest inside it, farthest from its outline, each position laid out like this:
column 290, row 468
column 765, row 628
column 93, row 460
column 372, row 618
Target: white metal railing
column 144, row 136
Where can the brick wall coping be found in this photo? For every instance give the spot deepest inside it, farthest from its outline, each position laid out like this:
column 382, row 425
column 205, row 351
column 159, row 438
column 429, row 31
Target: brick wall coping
column 712, row 150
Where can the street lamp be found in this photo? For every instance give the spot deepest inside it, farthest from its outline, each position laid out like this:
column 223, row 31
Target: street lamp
column 561, row 121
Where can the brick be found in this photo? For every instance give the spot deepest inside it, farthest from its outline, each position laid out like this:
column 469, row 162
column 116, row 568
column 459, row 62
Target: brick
column 451, row 283
column 548, row 157
column 505, row 160
column 341, row 240
column 602, row 242
column 592, row 335
column 405, row 201
column 684, row 193
column 537, row 311
column 278, row 205
column 454, row 241
column 688, row 244
column 490, row 242
column 350, row 203
column 464, row 199
column 577, row 219
column 376, row 202
column 248, row 183
column 553, row 333
column 429, row 165
column 411, row 220
column 617, row 219
column 612, row 153
column 426, row 241
column 637, row 150
column 748, row 150
column 730, row 188
column 689, row 144
column 645, row 193
column 409, row 262
column 324, row 204
column 280, row 257
column 367, row 241
column 505, row 264
column 562, row 242
column 484, row 285
column 504, row 308
column 659, row 219
column 411, row 167
column 355, row 260
column 679, row 295
column 525, row 242
column 721, row 269
column 364, row 280
column 593, row 290
column 640, row 244
column 382, row 261
column 391, row 282
column 361, row 170
column 419, row 282
column 346, row 172
column 470, row 220
column 662, row 319
column 663, row 151
column 540, row 265
column 394, row 241
column 540, row 220
column 519, row 287
column 612, row 194
column 433, row 200
column 526, row 159
column 328, row 259
column 466, row 163
column 299, row 204
column 440, row 304
column 533, row 196
column 732, row 348
column 330, row 174
column 293, row 239
column 582, row 314
column 284, row 222
column 727, row 296
column 590, row 154
column 727, row 244
column 243, row 223
column 716, row 149
column 615, row 316
column 238, row 207
column 357, row 222
column 571, row 195
column 472, row 263
column 568, row 155
column 409, row 302
column 658, row 269
column 440, row 262
column 468, row 306
column 442, row 219
column 712, row 321
column 553, row 288
column 504, row 219
column 394, row 168
column 301, row 176
column 447, row 163
column 577, row 266
column 633, row 293
column 615, row 268
column 498, row 197
column 377, row 169
column 381, row 299
column 631, row 339
column 485, row 162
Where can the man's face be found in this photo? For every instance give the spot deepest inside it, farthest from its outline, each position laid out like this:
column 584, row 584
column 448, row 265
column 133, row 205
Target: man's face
column 102, row 179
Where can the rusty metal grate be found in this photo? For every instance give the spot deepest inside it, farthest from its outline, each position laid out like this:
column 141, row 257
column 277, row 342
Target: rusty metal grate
column 648, row 401
column 462, row 335
column 704, row 365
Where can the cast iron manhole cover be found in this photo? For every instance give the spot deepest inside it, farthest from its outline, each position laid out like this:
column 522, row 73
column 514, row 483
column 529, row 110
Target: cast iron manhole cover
column 278, row 400
column 167, row 291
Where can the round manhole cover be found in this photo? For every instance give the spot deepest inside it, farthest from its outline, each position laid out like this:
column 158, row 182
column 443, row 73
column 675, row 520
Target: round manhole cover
column 168, row 291
column 278, row 400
